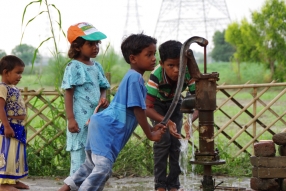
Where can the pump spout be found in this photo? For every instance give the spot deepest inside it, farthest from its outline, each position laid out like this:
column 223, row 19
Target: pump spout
column 189, row 58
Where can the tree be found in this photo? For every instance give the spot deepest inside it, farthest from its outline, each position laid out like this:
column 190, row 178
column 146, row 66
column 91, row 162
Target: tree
column 2, row 53
column 271, row 30
column 263, row 40
column 26, row 53
column 223, row 51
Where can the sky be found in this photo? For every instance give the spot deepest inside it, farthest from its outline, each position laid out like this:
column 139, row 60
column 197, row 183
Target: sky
column 107, row 16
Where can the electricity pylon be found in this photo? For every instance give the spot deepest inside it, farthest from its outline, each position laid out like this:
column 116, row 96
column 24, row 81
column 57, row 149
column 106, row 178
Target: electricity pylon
column 182, row 19
column 132, row 22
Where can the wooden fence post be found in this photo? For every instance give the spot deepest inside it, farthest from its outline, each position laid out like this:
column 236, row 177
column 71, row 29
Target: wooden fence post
column 25, row 98
column 254, row 94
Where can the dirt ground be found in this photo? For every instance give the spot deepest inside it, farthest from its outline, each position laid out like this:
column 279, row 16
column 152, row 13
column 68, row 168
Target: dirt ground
column 141, row 184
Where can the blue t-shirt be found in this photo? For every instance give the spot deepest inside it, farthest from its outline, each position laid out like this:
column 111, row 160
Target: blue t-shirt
column 110, row 129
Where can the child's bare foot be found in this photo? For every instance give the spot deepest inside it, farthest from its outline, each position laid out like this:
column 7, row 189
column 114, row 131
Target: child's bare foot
column 21, row 185
column 64, row 188
column 8, row 187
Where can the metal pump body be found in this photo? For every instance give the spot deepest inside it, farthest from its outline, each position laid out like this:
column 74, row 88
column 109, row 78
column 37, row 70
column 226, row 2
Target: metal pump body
column 204, row 101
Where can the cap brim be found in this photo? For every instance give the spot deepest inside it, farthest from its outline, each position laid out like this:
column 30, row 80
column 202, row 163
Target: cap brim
column 94, row 36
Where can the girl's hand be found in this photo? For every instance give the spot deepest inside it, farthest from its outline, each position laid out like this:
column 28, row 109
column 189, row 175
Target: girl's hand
column 95, row 111
column 73, row 126
column 9, row 132
column 173, row 129
column 103, row 102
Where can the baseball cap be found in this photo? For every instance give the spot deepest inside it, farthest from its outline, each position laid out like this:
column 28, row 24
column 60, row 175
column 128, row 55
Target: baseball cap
column 84, row 30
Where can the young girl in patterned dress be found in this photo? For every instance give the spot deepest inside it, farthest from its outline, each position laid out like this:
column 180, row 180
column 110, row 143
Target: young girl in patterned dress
column 13, row 158
column 85, row 87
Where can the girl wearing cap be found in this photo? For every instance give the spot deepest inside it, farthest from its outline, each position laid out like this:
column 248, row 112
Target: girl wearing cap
column 85, row 87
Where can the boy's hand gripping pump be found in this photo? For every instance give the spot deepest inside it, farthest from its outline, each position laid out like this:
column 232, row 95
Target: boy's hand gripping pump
column 204, row 101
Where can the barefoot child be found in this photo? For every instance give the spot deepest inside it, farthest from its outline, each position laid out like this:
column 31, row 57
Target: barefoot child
column 110, row 129
column 13, row 160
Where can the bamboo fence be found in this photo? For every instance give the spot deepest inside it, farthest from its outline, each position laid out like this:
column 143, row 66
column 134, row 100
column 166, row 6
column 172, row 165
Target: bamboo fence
column 245, row 114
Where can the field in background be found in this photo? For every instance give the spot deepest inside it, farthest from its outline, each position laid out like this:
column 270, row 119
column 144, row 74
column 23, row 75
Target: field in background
column 229, row 73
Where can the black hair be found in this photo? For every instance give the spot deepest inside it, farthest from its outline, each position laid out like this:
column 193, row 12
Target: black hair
column 170, row 50
column 76, row 44
column 9, row 62
column 134, row 44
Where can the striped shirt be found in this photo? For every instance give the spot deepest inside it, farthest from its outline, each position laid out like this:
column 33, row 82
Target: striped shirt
column 158, row 86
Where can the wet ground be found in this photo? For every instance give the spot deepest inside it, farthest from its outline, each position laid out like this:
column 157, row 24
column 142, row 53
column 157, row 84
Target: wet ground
column 188, row 183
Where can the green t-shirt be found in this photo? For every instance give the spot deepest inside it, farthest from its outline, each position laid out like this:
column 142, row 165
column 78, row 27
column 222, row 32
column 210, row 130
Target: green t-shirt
column 158, row 86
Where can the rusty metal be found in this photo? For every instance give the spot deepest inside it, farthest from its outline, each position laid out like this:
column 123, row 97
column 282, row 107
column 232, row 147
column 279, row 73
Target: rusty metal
column 188, row 104
column 228, row 188
column 205, row 102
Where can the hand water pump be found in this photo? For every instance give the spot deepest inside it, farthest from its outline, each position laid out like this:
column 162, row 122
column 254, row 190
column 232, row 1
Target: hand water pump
column 204, row 101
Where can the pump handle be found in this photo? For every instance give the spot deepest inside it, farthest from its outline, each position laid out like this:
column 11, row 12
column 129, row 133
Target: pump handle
column 182, row 71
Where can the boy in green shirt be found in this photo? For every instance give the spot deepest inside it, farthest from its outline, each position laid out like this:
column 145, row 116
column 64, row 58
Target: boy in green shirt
column 161, row 88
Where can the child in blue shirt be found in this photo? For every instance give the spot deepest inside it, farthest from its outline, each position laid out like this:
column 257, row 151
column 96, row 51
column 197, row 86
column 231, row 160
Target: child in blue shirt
column 110, row 129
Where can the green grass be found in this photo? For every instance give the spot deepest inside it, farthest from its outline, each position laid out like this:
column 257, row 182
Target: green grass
column 227, row 73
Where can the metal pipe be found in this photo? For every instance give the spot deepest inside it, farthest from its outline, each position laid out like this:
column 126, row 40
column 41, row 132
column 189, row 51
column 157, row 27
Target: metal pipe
column 206, row 133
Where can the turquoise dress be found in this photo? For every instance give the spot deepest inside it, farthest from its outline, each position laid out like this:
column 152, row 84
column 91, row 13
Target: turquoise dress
column 86, row 81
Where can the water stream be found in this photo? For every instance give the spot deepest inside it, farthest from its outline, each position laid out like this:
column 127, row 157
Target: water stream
column 184, row 158
column 190, row 180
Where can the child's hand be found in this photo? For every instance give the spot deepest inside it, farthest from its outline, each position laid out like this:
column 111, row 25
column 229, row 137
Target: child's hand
column 158, row 131
column 103, row 103
column 156, row 135
column 95, row 111
column 9, row 132
column 73, row 126
column 161, row 127
column 173, row 129
column 187, row 130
